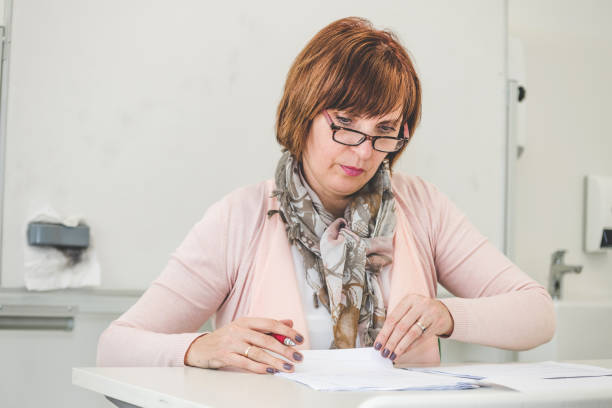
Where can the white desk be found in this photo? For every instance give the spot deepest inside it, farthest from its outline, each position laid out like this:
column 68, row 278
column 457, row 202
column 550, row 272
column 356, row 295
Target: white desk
column 197, row 388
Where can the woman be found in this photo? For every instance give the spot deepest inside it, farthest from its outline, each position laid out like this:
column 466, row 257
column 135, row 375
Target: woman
column 335, row 251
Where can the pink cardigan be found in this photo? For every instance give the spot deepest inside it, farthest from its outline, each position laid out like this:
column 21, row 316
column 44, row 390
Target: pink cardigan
column 237, row 262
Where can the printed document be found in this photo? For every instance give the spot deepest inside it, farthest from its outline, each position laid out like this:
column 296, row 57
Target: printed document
column 361, row 369
column 546, row 376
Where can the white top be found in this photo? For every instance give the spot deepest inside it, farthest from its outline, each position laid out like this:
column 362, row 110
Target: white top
column 318, row 319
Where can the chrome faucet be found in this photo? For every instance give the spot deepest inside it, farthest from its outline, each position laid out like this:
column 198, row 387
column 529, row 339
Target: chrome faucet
column 557, row 270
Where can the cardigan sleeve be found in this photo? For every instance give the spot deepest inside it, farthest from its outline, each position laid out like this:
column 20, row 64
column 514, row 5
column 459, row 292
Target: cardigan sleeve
column 159, row 328
column 496, row 303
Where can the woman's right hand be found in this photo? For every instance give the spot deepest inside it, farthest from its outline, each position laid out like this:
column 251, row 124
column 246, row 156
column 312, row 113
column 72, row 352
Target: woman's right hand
column 227, row 346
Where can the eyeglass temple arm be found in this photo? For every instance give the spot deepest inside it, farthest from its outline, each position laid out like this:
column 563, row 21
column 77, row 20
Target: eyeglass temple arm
column 406, row 133
column 329, row 121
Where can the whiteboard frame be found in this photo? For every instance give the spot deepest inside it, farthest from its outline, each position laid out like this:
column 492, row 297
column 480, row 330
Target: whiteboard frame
column 5, row 45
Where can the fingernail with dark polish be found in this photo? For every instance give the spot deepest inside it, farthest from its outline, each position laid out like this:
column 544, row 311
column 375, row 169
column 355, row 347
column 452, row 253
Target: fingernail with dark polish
column 287, row 366
column 377, row 346
column 385, row 353
column 299, row 338
column 392, row 356
column 270, row 370
column 297, row 356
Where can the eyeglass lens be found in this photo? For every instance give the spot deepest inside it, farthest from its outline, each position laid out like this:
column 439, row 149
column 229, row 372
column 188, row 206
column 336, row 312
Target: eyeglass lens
column 353, row 139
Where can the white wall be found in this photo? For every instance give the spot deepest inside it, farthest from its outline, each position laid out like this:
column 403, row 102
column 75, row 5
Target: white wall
column 124, row 112
column 569, row 134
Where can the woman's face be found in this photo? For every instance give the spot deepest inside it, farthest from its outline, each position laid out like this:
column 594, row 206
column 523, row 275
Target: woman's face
column 335, row 171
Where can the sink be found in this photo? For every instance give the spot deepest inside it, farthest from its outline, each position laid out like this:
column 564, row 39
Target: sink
column 584, row 332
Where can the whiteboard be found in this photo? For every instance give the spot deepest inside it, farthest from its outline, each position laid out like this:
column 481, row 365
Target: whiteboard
column 139, row 114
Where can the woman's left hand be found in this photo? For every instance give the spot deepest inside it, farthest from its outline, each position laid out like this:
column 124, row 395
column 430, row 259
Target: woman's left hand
column 413, row 320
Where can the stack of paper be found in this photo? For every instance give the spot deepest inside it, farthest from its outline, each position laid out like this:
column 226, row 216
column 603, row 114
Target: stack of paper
column 549, row 375
column 364, row 369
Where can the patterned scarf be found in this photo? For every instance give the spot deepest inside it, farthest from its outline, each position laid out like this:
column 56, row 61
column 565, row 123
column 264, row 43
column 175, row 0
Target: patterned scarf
column 343, row 256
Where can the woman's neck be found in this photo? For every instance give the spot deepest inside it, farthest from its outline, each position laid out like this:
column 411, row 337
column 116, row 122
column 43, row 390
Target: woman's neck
column 336, row 208
column 333, row 204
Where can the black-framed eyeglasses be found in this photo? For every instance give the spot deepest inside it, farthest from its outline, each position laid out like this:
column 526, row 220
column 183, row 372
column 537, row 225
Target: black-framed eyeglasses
column 352, row 137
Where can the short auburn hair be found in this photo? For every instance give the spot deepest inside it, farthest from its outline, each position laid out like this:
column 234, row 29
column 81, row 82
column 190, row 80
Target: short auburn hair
column 349, row 66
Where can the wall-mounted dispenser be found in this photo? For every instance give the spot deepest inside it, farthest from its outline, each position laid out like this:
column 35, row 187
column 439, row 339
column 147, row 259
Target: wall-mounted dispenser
column 597, row 213
column 72, row 241
column 59, row 253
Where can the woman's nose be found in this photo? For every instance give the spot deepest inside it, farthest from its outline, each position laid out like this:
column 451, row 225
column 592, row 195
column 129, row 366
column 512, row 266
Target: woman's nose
column 364, row 150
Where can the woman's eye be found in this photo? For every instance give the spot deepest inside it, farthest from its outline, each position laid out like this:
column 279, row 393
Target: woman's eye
column 343, row 120
column 387, row 129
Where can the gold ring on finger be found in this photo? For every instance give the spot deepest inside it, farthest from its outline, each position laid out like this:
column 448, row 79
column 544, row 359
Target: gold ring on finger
column 423, row 328
column 246, row 352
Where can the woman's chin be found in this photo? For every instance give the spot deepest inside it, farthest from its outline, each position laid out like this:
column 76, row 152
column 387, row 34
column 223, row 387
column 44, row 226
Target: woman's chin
column 346, row 189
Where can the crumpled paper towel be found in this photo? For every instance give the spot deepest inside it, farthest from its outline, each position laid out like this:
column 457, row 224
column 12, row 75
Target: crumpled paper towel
column 47, row 268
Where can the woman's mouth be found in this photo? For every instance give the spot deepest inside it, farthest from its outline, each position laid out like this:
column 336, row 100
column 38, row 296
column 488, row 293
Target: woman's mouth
column 351, row 171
